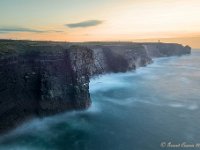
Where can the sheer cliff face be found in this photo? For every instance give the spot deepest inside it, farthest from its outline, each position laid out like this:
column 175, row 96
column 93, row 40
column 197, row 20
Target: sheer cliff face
column 43, row 79
column 165, row 50
column 64, row 78
column 119, row 58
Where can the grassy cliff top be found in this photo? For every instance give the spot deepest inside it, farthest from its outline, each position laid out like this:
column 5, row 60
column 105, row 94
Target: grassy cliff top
column 21, row 46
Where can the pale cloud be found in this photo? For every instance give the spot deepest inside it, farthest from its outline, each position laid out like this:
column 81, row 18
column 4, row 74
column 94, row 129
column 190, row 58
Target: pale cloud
column 85, row 24
column 22, row 29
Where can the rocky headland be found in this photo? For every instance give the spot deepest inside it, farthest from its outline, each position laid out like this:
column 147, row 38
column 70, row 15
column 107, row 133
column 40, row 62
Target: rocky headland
column 44, row 78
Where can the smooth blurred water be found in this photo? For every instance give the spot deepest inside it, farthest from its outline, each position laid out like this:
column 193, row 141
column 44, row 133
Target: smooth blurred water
column 137, row 110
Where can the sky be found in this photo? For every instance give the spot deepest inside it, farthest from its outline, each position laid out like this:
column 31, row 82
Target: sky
column 102, row 20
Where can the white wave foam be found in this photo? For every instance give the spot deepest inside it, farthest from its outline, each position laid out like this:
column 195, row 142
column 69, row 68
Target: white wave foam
column 193, row 107
column 176, row 105
column 94, row 108
column 123, row 102
column 186, row 106
column 184, row 80
column 38, row 125
column 106, row 82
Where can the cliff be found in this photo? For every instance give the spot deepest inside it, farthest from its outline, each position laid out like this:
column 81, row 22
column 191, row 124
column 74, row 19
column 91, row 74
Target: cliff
column 166, row 50
column 118, row 57
column 41, row 81
column 44, row 78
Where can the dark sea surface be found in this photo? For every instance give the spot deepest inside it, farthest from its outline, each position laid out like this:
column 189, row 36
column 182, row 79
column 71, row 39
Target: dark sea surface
column 144, row 109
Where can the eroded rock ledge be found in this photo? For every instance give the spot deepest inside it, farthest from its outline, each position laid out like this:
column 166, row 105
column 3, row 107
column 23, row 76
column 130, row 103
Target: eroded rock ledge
column 44, row 78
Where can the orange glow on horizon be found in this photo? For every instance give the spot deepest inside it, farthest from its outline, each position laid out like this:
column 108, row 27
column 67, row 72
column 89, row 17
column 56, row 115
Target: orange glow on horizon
column 117, row 20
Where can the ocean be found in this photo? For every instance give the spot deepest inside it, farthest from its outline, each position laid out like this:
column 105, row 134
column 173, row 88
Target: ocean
column 151, row 108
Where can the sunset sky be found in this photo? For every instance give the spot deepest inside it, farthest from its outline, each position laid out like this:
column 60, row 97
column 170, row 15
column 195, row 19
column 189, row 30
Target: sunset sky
column 102, row 20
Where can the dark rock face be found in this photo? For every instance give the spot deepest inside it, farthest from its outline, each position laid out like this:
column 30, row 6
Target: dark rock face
column 119, row 58
column 44, row 79
column 40, row 83
column 166, row 50
column 65, row 80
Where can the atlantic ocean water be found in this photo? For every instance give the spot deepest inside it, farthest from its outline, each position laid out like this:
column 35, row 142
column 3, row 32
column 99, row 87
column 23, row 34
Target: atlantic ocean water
column 155, row 107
